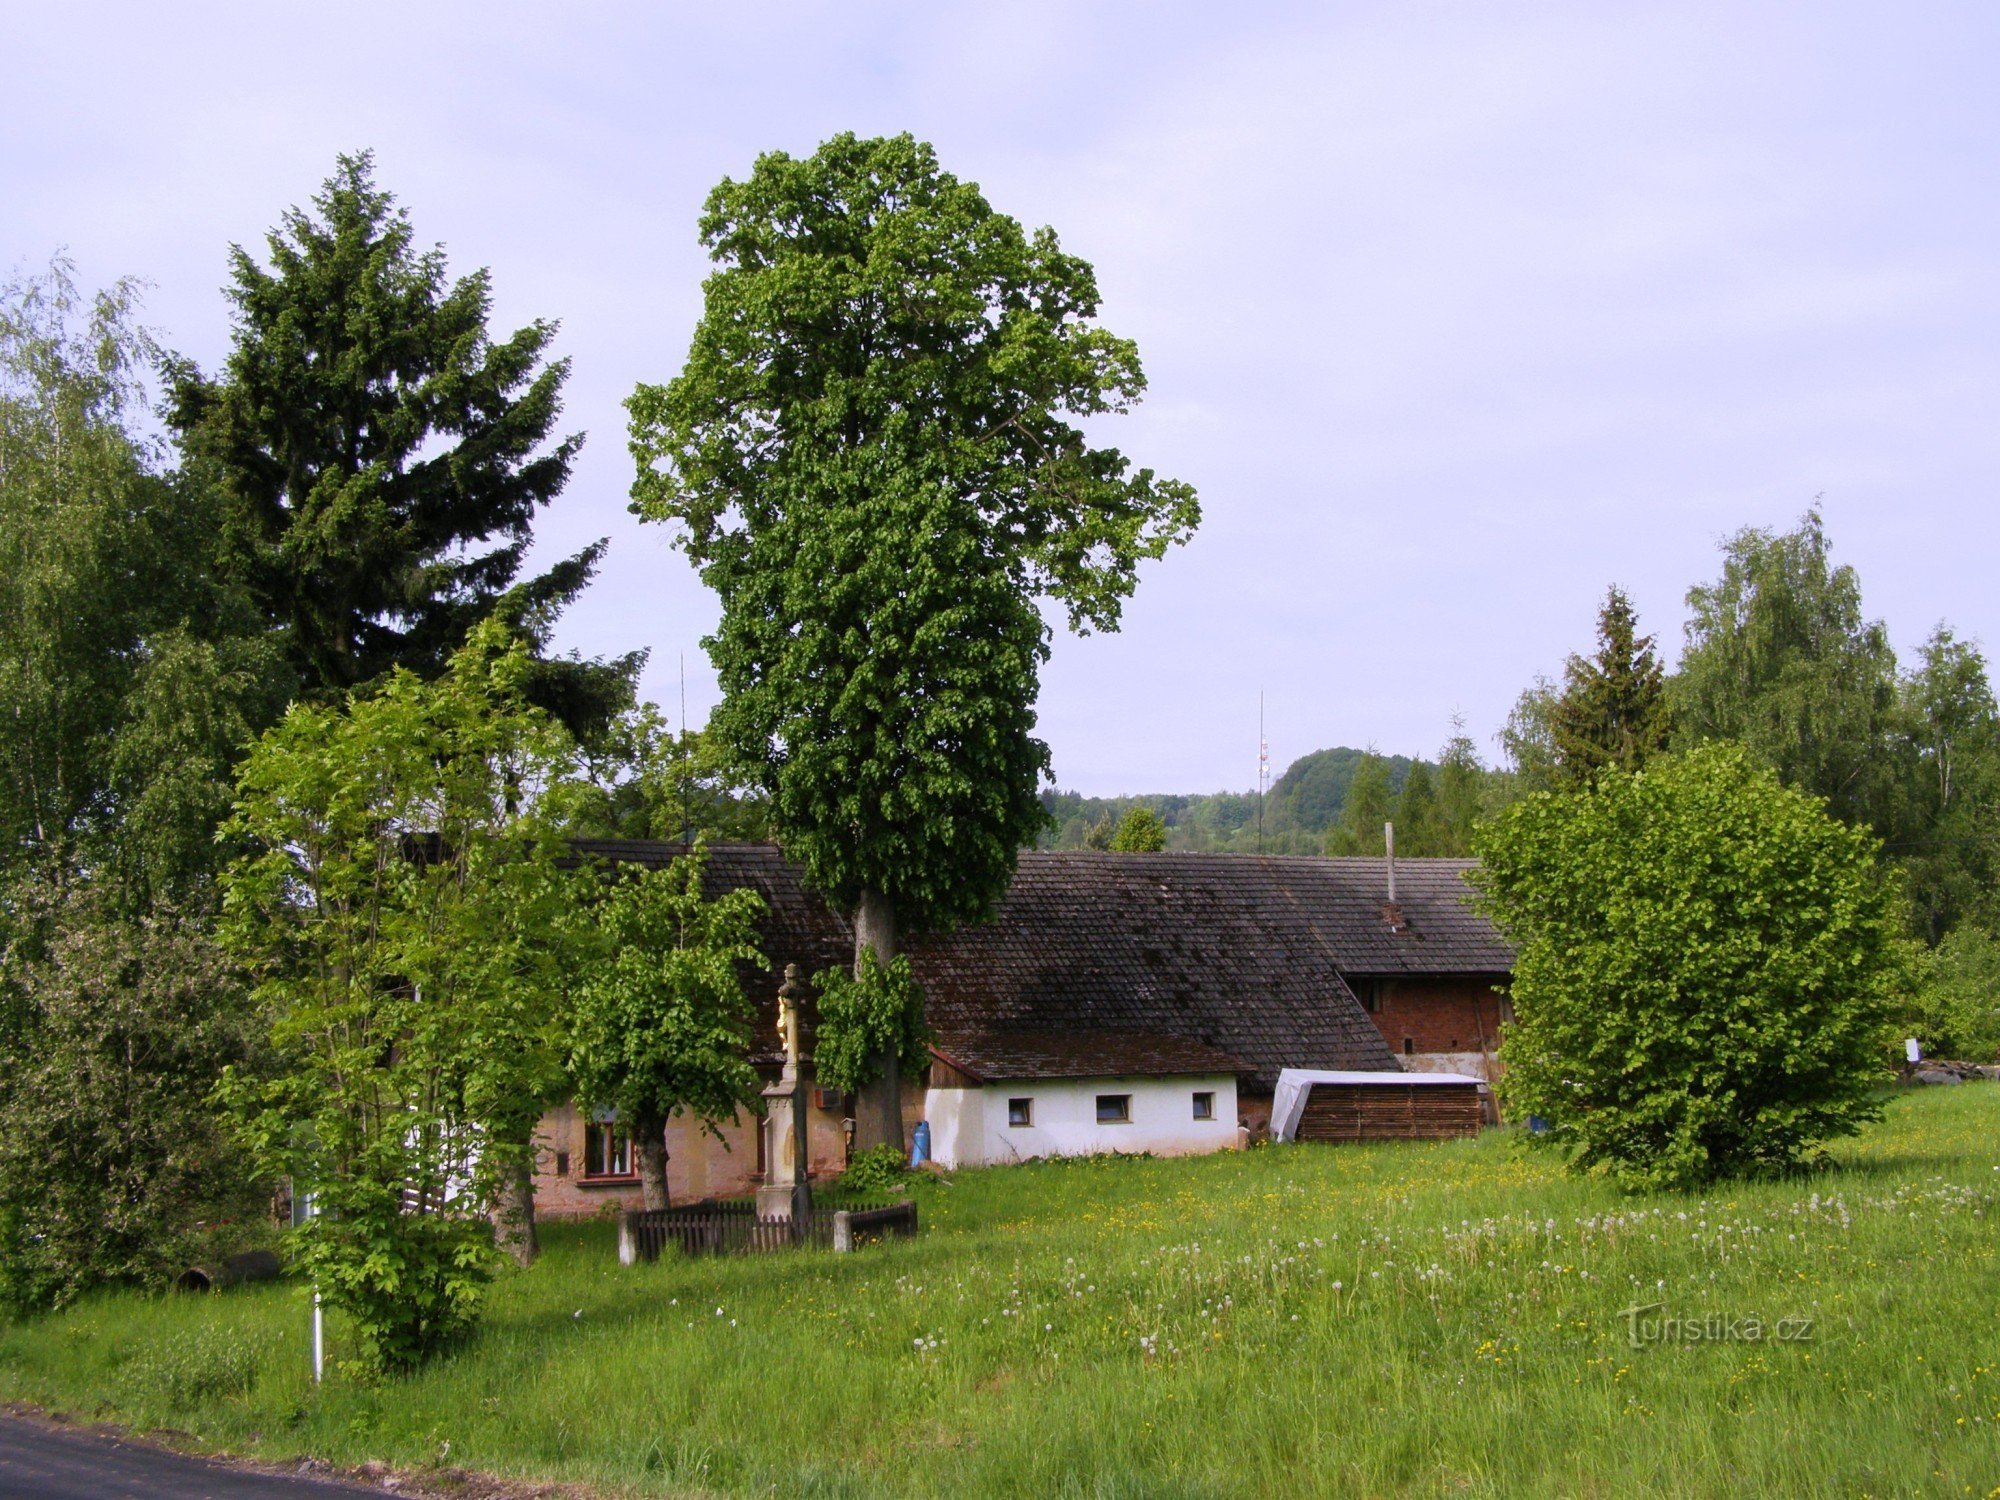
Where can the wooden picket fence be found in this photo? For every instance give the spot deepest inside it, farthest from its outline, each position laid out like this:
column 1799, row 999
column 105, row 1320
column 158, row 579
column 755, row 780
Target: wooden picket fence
column 722, row 1227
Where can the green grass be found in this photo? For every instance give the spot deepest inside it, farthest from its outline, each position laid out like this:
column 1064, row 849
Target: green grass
column 1426, row 1320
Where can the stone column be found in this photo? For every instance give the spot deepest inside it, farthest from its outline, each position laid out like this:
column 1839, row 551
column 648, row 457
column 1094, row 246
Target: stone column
column 787, row 1189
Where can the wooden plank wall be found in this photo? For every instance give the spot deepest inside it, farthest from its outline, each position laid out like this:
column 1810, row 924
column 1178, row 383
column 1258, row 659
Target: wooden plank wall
column 1391, row 1112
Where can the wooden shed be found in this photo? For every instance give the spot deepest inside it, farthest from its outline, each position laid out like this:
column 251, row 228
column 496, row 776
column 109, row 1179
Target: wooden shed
column 1376, row 1106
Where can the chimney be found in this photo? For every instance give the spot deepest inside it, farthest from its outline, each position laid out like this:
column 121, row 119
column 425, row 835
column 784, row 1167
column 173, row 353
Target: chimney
column 1391, row 912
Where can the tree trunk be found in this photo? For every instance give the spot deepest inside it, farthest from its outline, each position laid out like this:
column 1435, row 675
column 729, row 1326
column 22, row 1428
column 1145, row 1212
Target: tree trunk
column 878, row 1108
column 514, row 1213
column 649, row 1140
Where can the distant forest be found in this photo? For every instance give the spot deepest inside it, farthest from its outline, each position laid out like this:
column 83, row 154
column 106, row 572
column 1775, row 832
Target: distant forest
column 1303, row 806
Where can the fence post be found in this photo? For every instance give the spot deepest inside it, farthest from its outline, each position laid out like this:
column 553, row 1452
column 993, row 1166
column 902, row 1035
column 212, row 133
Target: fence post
column 843, row 1231
column 628, row 1238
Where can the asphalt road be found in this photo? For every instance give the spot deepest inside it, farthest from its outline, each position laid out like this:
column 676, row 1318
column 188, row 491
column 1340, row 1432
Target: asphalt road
column 44, row 1463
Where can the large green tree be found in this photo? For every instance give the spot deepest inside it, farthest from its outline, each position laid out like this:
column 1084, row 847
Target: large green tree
column 1706, row 965
column 407, row 914
column 131, row 674
column 382, row 456
column 1612, row 711
column 131, row 668
column 1780, row 658
column 874, row 454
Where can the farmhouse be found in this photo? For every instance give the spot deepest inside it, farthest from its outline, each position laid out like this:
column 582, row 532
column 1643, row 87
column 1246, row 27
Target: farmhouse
column 1116, row 1002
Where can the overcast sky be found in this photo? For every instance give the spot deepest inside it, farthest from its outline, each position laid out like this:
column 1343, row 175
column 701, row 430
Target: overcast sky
column 1453, row 313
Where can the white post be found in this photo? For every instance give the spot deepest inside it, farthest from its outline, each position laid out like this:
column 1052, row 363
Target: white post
column 319, row 1338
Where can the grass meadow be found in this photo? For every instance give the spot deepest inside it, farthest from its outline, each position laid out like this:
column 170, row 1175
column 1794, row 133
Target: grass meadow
column 1296, row 1320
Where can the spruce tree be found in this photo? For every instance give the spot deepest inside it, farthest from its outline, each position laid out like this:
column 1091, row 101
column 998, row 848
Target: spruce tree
column 1612, row 711
column 381, row 456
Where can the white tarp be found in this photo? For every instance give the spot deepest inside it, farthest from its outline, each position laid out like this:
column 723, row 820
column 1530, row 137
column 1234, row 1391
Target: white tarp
column 1294, row 1084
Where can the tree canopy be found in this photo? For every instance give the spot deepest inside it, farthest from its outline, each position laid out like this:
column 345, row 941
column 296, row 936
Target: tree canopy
column 1140, row 831
column 1780, row 659
column 874, row 454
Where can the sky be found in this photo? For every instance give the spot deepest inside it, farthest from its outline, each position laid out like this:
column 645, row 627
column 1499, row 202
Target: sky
column 1453, row 314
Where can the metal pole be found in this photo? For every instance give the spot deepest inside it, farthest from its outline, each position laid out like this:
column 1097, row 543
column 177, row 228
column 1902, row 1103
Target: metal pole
column 319, row 1338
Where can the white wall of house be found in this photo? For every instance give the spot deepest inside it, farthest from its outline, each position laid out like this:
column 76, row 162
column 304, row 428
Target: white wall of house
column 969, row 1127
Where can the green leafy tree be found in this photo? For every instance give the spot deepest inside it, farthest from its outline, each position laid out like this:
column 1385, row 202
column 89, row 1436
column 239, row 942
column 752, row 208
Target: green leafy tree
column 1955, row 1007
column 659, row 1022
column 875, row 456
column 1612, row 711
column 1528, row 739
column 1100, row 834
column 130, row 670
column 1140, row 831
column 638, row 780
column 404, row 909
column 1949, row 846
column 381, row 455
column 875, row 1012
column 1370, row 803
column 1706, row 962
column 131, row 673
column 1780, row 659
column 114, row 1165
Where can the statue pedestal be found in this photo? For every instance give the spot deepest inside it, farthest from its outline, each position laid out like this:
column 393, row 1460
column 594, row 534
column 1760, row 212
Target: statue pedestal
column 774, row 1198
column 787, row 1193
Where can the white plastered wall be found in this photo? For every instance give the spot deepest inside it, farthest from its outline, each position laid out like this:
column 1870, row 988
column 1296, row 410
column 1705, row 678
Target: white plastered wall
column 969, row 1126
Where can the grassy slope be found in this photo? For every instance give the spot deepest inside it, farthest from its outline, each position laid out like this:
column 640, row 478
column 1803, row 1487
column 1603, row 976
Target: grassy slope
column 1424, row 1320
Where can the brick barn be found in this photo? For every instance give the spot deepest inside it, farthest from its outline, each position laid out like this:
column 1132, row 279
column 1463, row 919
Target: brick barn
column 1114, row 1001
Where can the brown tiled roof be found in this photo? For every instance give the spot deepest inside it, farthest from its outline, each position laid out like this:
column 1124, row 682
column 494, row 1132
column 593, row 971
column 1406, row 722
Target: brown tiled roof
column 1242, row 954
column 992, row 1055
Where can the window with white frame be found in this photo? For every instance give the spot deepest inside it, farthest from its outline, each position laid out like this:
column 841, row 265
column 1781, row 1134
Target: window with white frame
column 1020, row 1113
column 607, row 1150
column 1204, row 1104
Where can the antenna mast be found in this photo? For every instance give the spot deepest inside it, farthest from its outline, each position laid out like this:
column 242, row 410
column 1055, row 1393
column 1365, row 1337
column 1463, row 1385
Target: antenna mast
column 1263, row 769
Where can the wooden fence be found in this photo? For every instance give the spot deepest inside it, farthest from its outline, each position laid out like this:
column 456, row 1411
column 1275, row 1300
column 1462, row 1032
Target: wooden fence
column 732, row 1228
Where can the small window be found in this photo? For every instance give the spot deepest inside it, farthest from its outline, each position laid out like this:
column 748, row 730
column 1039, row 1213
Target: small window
column 1409, row 1046
column 1114, row 1109
column 607, row 1151
column 1204, row 1105
column 1020, row 1112
column 562, row 1164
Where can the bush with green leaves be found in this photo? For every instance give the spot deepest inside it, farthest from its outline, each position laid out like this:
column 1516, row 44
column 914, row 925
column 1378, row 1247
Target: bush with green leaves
column 879, row 1169
column 1706, row 967
column 874, row 1012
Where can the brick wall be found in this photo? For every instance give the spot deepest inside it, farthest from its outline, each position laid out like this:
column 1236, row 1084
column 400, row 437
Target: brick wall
column 1435, row 1012
column 698, row 1165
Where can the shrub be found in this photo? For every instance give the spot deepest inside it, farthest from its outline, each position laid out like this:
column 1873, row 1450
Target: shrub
column 1706, row 964
column 878, row 1169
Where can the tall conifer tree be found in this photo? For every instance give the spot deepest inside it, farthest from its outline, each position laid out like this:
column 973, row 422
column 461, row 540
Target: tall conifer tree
column 1612, row 711
column 382, row 456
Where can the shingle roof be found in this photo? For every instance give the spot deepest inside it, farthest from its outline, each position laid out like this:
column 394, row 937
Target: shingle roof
column 1075, row 1053
column 1241, row 954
